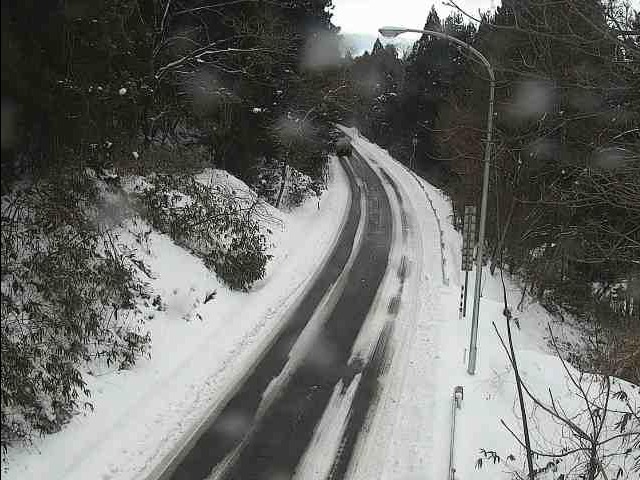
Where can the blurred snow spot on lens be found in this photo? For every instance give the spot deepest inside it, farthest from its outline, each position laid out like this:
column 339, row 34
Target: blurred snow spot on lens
column 613, row 158
column 233, row 425
column 206, row 93
column 278, row 475
column 633, row 287
column 291, row 128
column 532, row 99
column 585, row 101
column 323, row 355
column 321, row 51
column 543, row 149
column 366, row 83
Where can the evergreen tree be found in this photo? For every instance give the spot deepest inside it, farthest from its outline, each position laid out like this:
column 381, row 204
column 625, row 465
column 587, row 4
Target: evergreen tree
column 377, row 47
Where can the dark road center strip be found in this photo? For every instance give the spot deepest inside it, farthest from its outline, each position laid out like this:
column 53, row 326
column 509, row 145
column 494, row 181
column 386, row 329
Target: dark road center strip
column 234, row 421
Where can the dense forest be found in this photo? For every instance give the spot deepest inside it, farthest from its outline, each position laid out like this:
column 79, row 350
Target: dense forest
column 564, row 193
column 97, row 80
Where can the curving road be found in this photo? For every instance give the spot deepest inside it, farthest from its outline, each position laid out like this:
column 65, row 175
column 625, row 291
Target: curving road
column 265, row 428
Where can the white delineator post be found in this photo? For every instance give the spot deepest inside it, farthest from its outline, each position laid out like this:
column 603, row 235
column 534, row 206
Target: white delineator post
column 458, row 394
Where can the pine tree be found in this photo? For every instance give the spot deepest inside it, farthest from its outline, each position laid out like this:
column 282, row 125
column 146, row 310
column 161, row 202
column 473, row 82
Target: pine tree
column 423, row 92
column 377, row 47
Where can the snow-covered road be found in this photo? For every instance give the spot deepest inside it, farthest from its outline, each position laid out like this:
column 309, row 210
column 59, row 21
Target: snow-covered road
column 408, row 428
column 399, row 439
column 361, row 343
column 275, row 410
column 199, row 350
column 341, row 405
column 385, row 372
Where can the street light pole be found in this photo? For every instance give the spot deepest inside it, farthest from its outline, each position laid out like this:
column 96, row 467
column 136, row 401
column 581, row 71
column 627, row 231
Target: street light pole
column 391, row 32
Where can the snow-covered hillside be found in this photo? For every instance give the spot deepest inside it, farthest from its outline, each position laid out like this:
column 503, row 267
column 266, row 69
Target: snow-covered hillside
column 199, row 346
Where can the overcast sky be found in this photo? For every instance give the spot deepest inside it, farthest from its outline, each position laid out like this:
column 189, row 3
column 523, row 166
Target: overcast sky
column 366, row 16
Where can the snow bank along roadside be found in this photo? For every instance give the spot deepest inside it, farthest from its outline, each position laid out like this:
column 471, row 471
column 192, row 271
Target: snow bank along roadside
column 417, row 409
column 198, row 349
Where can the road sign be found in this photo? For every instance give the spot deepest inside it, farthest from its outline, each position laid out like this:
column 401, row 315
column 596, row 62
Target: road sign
column 468, row 237
column 468, row 244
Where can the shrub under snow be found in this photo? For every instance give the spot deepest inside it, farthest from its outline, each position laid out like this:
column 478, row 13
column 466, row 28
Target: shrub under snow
column 213, row 221
column 68, row 297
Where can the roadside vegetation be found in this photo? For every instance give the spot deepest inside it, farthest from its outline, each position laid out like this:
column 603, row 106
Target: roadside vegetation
column 106, row 94
column 565, row 185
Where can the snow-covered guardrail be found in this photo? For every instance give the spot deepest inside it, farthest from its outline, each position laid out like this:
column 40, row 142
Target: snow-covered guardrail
column 443, row 262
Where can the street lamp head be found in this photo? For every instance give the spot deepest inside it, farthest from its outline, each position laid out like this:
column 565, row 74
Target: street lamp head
column 391, row 32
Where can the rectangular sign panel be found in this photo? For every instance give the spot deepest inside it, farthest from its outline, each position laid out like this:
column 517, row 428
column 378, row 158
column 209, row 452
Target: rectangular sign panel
column 468, row 237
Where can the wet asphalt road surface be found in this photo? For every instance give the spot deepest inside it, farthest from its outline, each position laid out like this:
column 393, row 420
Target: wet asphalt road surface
column 269, row 444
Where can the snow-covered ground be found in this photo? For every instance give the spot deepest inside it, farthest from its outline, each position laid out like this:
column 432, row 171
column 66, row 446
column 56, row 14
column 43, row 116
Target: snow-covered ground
column 198, row 349
column 409, row 435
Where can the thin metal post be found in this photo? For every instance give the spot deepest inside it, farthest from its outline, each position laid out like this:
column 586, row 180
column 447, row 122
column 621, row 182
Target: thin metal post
column 452, row 468
column 466, row 286
column 473, row 344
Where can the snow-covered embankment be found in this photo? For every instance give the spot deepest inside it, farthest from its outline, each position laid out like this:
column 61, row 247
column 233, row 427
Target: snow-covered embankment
column 199, row 349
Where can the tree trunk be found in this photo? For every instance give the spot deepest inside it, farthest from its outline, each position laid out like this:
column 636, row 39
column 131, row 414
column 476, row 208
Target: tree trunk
column 523, row 411
column 498, row 250
column 283, row 184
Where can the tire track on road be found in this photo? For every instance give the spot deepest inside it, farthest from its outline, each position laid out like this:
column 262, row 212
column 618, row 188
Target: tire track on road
column 445, row 279
column 367, row 392
column 229, row 425
column 256, row 442
column 282, row 435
